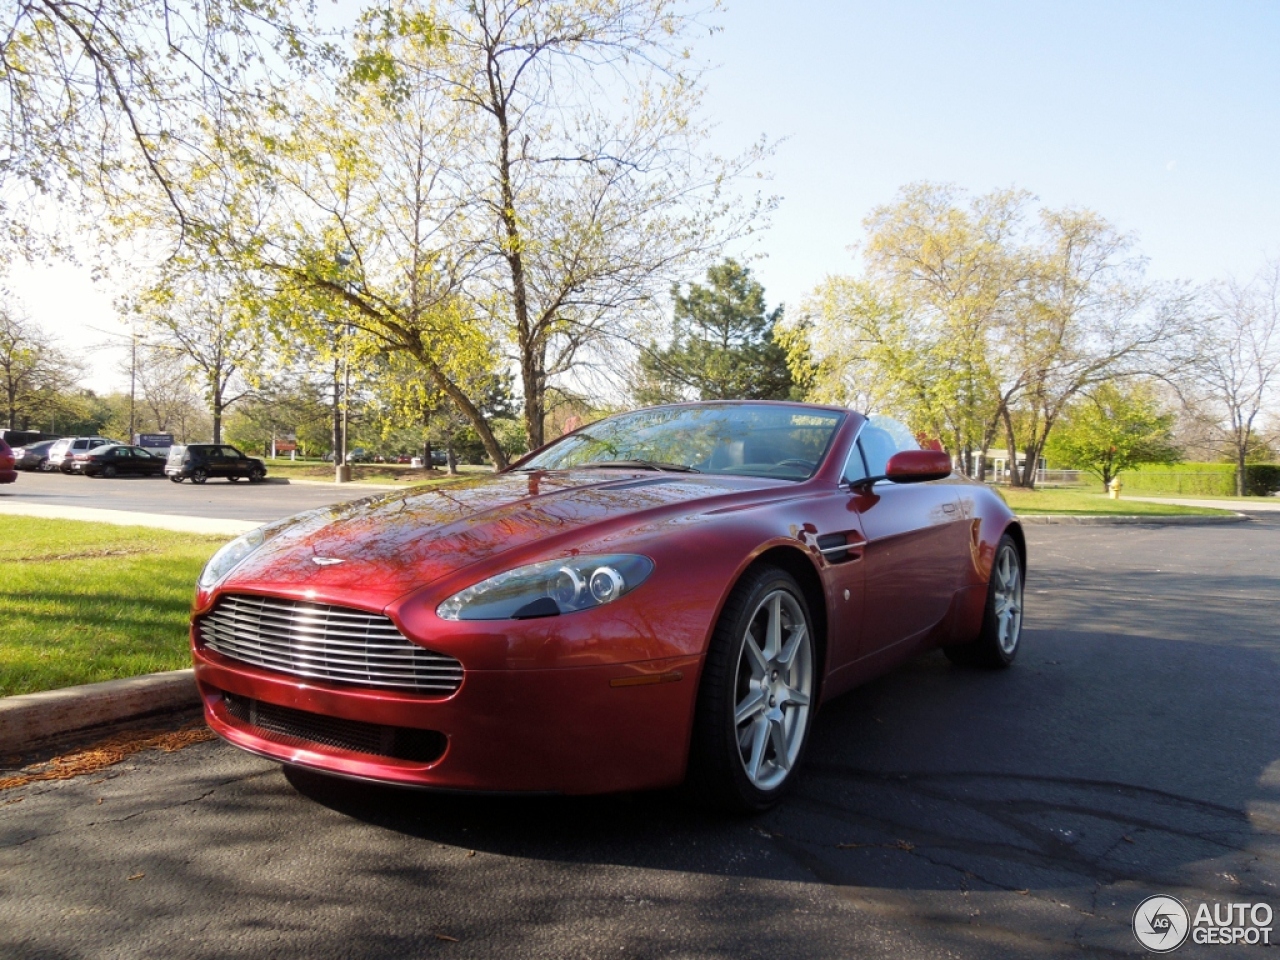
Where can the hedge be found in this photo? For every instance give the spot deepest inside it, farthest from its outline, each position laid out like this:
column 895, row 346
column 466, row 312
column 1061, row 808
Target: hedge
column 1261, row 479
column 1202, row 479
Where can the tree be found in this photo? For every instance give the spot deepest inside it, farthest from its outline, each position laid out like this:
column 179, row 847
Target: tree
column 33, row 371
column 1088, row 318
column 164, row 385
column 109, row 96
column 973, row 316
column 207, row 319
column 1115, row 428
column 1234, row 358
column 722, row 344
column 588, row 183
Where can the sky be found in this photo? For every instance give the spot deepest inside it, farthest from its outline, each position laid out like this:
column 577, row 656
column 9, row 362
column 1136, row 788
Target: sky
column 1163, row 117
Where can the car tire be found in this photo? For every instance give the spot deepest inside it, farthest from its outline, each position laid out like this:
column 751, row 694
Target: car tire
column 199, row 476
column 998, row 641
column 46, row 466
column 257, row 475
column 176, row 479
column 109, row 472
column 234, row 478
column 757, row 696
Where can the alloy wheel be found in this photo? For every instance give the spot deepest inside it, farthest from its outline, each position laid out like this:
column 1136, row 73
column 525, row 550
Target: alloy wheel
column 1007, row 588
column 774, row 690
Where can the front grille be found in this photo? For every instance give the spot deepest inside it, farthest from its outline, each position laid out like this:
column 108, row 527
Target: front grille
column 324, row 642
column 400, row 743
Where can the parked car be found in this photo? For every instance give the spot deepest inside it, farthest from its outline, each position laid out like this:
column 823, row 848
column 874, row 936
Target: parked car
column 664, row 594
column 118, row 460
column 200, row 461
column 8, row 474
column 62, row 451
column 33, row 456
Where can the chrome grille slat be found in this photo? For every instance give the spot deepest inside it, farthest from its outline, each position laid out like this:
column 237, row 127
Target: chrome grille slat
column 337, row 646
column 310, row 624
column 441, row 669
column 308, row 617
column 318, row 641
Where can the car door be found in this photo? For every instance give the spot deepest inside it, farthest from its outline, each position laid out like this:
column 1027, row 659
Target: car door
column 130, row 461
column 146, row 463
column 834, row 527
column 215, row 461
column 915, row 533
column 237, row 462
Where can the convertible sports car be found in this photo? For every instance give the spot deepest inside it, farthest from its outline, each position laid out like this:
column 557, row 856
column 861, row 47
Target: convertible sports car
column 662, row 595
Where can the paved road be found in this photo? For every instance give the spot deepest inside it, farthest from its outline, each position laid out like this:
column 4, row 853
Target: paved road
column 216, row 498
column 1134, row 749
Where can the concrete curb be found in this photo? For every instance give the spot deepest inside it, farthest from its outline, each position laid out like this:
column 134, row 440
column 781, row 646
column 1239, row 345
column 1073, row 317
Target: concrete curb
column 1105, row 520
column 31, row 720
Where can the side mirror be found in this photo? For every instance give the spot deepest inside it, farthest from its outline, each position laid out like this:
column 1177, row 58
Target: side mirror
column 917, row 466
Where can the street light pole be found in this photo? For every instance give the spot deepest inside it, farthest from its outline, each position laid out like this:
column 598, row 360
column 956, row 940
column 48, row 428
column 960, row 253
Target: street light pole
column 342, row 469
column 133, row 378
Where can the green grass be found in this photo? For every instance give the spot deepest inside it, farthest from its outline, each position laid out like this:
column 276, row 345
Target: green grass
column 388, row 473
column 1082, row 502
column 83, row 602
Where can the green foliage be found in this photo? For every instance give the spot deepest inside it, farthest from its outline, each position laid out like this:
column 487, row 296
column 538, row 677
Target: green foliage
column 1183, row 479
column 1204, row 480
column 34, row 373
column 1113, row 430
column 1261, row 479
column 722, row 347
column 973, row 317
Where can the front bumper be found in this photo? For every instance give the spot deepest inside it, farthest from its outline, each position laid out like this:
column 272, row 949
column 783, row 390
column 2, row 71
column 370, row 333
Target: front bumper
column 589, row 729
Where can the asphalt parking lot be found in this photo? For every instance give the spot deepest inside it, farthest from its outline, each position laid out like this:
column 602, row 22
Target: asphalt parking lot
column 1134, row 749
column 261, row 502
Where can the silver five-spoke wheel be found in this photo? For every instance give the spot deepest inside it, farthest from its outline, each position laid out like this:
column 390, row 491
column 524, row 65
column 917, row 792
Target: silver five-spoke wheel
column 997, row 642
column 1006, row 589
column 757, row 694
column 774, row 688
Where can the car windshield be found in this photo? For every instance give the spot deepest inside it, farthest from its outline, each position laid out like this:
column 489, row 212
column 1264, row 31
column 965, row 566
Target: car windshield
column 746, row 439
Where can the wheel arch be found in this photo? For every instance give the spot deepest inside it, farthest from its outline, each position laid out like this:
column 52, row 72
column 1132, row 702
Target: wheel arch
column 1014, row 531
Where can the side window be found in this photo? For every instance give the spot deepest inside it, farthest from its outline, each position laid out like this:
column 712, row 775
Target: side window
column 854, row 469
column 877, row 447
column 880, row 439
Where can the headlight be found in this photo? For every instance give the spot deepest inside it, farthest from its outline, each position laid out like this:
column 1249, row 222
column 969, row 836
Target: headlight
column 228, row 557
column 548, row 589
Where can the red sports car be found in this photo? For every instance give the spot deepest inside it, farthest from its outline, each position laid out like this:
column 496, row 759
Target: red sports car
column 662, row 595
column 8, row 469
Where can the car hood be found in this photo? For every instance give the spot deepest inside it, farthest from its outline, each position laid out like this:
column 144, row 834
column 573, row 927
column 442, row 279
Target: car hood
column 373, row 551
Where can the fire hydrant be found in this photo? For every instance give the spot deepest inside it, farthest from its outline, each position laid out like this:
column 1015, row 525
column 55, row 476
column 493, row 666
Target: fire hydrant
column 1113, row 488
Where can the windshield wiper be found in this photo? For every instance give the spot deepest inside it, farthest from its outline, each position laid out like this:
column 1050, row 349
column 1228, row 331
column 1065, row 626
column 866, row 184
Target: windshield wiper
column 640, row 464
